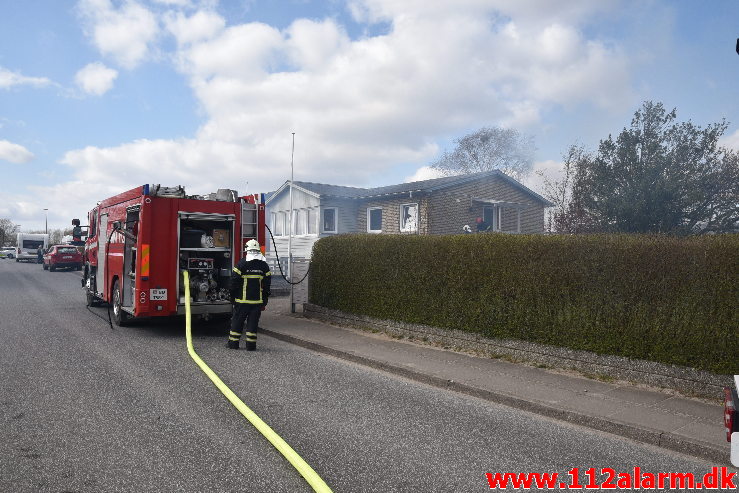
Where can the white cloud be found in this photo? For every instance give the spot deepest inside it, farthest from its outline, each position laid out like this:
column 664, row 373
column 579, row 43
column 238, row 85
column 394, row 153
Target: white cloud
column 95, row 78
column 244, row 52
column 550, row 170
column 200, row 26
column 14, row 153
column 65, row 201
column 178, row 3
column 730, row 141
column 358, row 107
column 310, row 44
column 9, row 79
column 124, row 33
column 424, row 173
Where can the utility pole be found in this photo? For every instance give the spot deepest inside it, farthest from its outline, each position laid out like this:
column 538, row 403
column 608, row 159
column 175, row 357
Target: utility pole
column 290, row 237
column 46, row 220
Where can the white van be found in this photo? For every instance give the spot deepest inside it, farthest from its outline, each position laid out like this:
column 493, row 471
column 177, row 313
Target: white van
column 27, row 246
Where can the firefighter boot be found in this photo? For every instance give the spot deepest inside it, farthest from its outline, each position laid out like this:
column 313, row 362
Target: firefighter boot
column 233, row 339
column 251, row 341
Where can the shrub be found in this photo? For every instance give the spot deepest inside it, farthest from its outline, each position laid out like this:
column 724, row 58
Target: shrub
column 659, row 298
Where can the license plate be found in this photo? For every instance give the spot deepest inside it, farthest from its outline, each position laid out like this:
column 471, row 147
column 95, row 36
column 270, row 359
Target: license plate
column 158, row 295
column 67, row 257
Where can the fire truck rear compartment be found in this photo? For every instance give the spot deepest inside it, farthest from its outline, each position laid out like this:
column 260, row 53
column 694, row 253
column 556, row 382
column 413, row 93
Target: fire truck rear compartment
column 205, row 251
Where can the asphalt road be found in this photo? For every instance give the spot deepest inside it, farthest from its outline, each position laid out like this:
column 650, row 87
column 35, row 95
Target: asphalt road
column 84, row 408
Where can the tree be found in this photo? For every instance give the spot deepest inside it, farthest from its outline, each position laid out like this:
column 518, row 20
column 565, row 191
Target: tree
column 8, row 229
column 657, row 176
column 565, row 216
column 56, row 236
column 488, row 149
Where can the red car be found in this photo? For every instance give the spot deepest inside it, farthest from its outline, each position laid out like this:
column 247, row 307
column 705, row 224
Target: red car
column 62, row 256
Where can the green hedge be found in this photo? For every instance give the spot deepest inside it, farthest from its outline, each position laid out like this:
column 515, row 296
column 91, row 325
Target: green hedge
column 666, row 299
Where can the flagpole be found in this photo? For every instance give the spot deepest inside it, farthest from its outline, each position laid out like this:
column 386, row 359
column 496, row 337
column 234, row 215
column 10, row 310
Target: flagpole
column 290, row 237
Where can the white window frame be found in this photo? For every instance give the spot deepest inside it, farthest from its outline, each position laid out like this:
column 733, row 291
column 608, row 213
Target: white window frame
column 400, row 219
column 496, row 216
column 281, row 223
column 369, row 209
column 297, row 215
column 336, row 220
column 316, row 215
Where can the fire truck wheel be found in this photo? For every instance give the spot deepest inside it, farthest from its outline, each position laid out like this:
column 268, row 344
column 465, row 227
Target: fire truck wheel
column 119, row 316
column 51, row 268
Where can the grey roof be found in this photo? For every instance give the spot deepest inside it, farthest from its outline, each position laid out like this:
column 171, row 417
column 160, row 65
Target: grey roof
column 428, row 185
column 325, row 190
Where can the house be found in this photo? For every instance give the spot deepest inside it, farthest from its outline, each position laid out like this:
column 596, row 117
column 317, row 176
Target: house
column 437, row 206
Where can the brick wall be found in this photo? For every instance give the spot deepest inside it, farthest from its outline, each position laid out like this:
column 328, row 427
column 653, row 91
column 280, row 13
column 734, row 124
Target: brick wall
column 391, row 213
column 452, row 208
column 446, row 211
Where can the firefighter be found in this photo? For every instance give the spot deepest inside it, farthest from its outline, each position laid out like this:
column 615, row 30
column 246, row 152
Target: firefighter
column 250, row 290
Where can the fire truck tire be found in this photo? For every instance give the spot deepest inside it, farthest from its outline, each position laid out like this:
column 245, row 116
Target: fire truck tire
column 51, row 268
column 120, row 317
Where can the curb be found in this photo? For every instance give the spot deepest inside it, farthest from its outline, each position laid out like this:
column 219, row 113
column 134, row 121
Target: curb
column 683, row 379
column 667, row 441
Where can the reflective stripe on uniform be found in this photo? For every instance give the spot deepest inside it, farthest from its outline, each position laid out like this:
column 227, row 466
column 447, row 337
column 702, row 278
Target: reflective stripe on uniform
column 237, row 271
column 232, row 338
column 237, row 334
column 250, row 334
column 243, row 290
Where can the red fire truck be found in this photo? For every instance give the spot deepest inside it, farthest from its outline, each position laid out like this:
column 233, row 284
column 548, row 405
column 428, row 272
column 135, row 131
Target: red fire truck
column 140, row 241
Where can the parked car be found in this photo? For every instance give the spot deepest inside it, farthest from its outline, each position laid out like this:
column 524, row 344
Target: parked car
column 731, row 419
column 7, row 252
column 62, row 256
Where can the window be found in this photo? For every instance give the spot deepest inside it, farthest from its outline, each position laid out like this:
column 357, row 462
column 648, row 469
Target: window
column 280, row 224
column 32, row 244
column 329, row 220
column 299, row 221
column 312, row 223
column 374, row 220
column 409, row 218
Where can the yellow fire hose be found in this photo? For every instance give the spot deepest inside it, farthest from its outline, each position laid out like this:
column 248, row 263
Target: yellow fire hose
column 313, row 479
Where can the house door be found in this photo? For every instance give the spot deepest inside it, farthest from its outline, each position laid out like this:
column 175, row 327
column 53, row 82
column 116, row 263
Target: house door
column 491, row 216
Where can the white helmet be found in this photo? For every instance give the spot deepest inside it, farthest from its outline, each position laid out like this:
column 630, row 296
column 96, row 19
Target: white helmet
column 252, row 245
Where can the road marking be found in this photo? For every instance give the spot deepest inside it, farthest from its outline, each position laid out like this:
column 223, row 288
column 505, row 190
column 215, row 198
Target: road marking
column 313, row 479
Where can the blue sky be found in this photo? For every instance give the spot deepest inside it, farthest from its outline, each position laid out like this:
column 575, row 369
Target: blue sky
column 99, row 96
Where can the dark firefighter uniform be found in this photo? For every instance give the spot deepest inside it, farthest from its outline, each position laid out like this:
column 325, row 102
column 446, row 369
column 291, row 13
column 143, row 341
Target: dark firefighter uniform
column 250, row 290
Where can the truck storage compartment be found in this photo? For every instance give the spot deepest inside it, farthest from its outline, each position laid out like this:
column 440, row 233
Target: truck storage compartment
column 193, row 238
column 206, row 252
